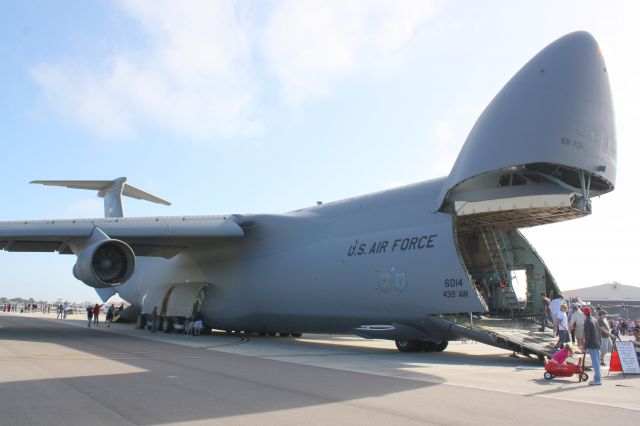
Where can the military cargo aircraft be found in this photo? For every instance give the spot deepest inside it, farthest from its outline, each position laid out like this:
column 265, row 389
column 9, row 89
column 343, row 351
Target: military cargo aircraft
column 421, row 264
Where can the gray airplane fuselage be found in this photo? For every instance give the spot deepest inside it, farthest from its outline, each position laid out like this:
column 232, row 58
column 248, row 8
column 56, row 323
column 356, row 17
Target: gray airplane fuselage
column 378, row 259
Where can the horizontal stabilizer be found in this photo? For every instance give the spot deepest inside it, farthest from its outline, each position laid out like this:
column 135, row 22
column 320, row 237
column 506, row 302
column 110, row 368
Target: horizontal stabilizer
column 100, row 185
column 110, row 190
column 139, row 194
column 96, row 185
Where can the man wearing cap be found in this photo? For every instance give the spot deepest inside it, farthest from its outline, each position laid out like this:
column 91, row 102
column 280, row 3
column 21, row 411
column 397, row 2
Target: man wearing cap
column 592, row 343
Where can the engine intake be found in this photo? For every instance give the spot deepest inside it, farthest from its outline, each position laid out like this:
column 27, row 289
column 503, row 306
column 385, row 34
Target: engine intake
column 105, row 264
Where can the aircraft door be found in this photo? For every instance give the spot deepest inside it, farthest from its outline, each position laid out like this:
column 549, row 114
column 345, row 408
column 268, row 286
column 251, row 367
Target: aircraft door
column 185, row 300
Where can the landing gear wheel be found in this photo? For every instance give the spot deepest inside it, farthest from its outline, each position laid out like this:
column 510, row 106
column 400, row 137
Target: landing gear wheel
column 428, row 346
column 284, row 334
column 296, row 334
column 408, row 345
column 548, row 375
column 141, row 321
column 167, row 325
column 584, row 377
column 441, row 346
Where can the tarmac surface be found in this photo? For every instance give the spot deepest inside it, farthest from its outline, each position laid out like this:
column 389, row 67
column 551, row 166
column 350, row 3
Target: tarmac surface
column 60, row 372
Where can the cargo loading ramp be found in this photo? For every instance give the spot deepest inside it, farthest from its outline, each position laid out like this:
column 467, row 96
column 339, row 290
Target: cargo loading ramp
column 519, row 335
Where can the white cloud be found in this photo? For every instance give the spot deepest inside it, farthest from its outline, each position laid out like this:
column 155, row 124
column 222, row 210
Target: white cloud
column 311, row 44
column 193, row 80
column 197, row 76
column 92, row 101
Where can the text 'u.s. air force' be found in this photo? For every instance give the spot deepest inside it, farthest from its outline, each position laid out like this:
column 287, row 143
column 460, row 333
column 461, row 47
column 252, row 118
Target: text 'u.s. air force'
column 421, row 242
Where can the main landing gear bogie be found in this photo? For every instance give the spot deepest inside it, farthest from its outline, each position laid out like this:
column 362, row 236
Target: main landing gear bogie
column 141, row 321
column 277, row 333
column 163, row 323
column 167, row 324
column 264, row 333
column 421, row 346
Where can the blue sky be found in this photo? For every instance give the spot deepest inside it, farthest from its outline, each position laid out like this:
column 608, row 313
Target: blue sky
column 245, row 107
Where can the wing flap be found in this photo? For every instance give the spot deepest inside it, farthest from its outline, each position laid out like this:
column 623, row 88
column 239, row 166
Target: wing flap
column 32, row 246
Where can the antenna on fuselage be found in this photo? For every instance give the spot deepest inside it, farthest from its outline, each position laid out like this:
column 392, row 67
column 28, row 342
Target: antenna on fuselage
column 111, row 190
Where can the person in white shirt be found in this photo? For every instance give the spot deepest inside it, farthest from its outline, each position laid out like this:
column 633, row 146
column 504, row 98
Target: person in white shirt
column 562, row 325
column 554, row 307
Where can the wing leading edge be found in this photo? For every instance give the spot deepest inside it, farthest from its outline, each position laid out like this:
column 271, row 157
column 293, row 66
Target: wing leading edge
column 152, row 236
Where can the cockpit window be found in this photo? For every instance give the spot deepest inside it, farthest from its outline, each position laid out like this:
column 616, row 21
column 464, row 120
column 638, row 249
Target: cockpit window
column 518, row 180
column 512, row 180
column 535, row 178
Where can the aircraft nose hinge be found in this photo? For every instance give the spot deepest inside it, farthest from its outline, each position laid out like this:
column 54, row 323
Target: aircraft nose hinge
column 584, row 203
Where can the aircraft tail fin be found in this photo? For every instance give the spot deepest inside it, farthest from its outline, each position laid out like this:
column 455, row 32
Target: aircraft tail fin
column 111, row 190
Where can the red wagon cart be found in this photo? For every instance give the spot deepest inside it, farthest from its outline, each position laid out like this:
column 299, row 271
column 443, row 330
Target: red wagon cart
column 551, row 370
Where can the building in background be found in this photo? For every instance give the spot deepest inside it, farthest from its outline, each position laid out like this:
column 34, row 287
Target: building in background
column 615, row 298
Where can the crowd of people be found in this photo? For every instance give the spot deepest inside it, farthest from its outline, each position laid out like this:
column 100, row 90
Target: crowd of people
column 577, row 323
column 62, row 310
column 45, row 308
column 93, row 314
column 193, row 326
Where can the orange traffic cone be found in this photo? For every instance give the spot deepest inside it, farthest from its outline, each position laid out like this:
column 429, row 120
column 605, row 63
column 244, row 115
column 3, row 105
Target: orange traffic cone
column 614, row 365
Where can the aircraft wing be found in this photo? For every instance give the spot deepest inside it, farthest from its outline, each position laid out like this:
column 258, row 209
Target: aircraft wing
column 149, row 236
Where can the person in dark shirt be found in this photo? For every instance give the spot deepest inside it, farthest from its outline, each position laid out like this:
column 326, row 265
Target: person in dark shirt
column 592, row 343
column 546, row 313
column 110, row 313
column 154, row 319
column 96, row 314
column 89, row 315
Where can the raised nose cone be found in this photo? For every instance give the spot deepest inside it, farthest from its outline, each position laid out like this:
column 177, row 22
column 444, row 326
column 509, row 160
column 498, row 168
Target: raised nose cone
column 556, row 111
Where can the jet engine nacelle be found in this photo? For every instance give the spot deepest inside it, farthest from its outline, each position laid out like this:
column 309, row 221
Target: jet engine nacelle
column 105, row 264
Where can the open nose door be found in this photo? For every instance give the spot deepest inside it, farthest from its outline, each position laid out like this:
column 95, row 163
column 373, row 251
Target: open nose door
column 552, row 123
